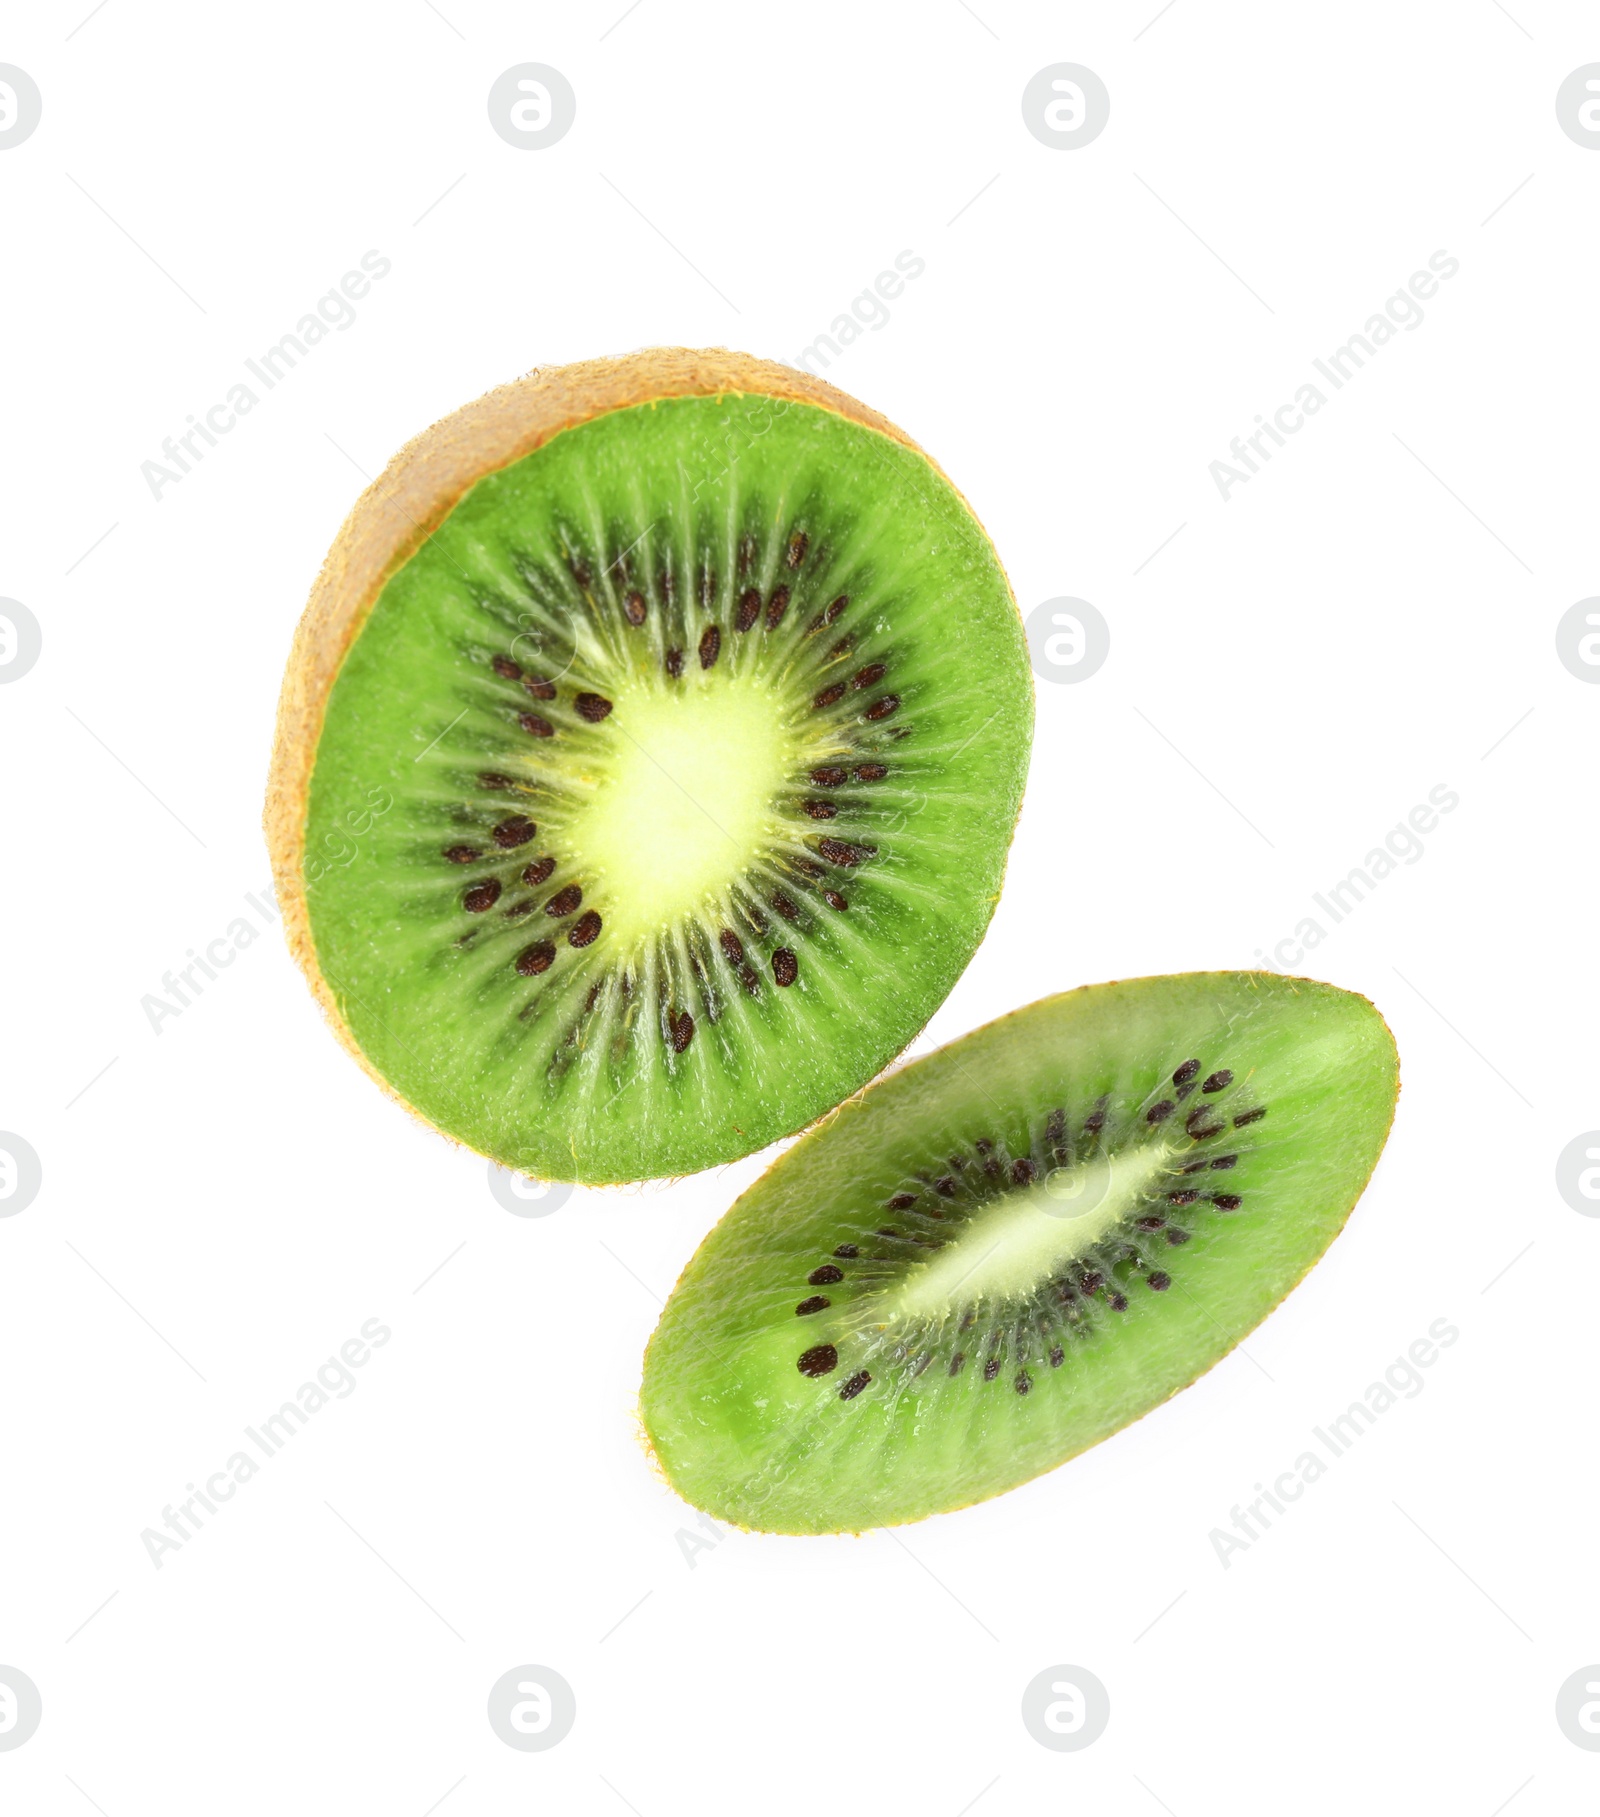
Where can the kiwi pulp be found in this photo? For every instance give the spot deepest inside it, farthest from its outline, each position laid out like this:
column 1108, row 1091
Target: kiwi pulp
column 647, row 763
column 1009, row 1250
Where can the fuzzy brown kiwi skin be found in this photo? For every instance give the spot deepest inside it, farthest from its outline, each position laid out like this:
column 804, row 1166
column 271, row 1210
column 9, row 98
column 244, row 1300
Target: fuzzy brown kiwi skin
column 402, row 508
column 652, row 1456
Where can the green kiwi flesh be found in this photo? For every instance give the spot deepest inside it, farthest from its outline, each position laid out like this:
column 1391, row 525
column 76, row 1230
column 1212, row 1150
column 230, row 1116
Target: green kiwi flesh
column 1005, row 1252
column 667, row 788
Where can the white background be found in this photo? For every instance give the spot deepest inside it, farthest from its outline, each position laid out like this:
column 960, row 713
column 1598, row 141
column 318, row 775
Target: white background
column 1371, row 616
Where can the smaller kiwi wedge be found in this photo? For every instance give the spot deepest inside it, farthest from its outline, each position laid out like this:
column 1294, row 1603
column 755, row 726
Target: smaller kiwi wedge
column 647, row 762
column 1005, row 1252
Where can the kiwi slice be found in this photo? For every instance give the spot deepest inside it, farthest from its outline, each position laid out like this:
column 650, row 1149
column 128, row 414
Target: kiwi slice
column 647, row 762
column 1007, row 1251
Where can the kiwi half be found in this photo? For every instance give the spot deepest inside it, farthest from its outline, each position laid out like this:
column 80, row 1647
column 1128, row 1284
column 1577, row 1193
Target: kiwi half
column 647, row 762
column 1007, row 1251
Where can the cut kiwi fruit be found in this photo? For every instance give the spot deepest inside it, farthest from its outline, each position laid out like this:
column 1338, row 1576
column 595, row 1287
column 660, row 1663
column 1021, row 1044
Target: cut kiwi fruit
column 647, row 762
column 1006, row 1252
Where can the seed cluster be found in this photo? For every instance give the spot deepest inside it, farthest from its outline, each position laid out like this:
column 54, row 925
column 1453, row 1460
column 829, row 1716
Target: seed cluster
column 1038, row 1328
column 664, row 615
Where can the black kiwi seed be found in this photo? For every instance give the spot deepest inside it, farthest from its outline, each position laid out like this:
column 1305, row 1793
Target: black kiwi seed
column 482, row 896
column 902, row 1201
column 503, row 665
column 1195, row 1123
column 1182, row 1198
column 991, row 1369
column 848, row 1251
column 1250, row 1116
column 593, row 707
column 751, row 983
column 956, row 1361
column 1091, row 1282
column 881, row 709
column 1057, row 1356
column 835, row 608
column 776, row 607
column 1226, row 1201
column 1153, row 1222
column 633, row 605
column 1218, row 1080
column 539, row 688
column 1118, row 1302
column 515, row 831
column 564, row 901
column 817, row 1303
column 825, row 1276
column 710, row 644
column 461, row 854
column 680, row 1029
column 819, row 810
column 834, row 900
column 748, row 610
column 945, row 1187
column 1175, row 1237
column 1186, row 1072
column 1160, row 1282
column 674, row 663
column 849, row 1390
column 836, row 851
column 732, row 946
column 534, row 726
column 584, row 932
column 747, row 553
column 518, row 909
column 785, row 967
column 1158, row 1113
column 871, row 772
column 1222, row 1162
column 785, row 906
column 818, row 1360
column 1023, row 1382
column 1095, row 1121
column 534, row 874
column 1022, row 1171
column 796, row 552
column 830, row 776
column 864, row 678
column 535, row 959
column 829, row 695
column 492, row 779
